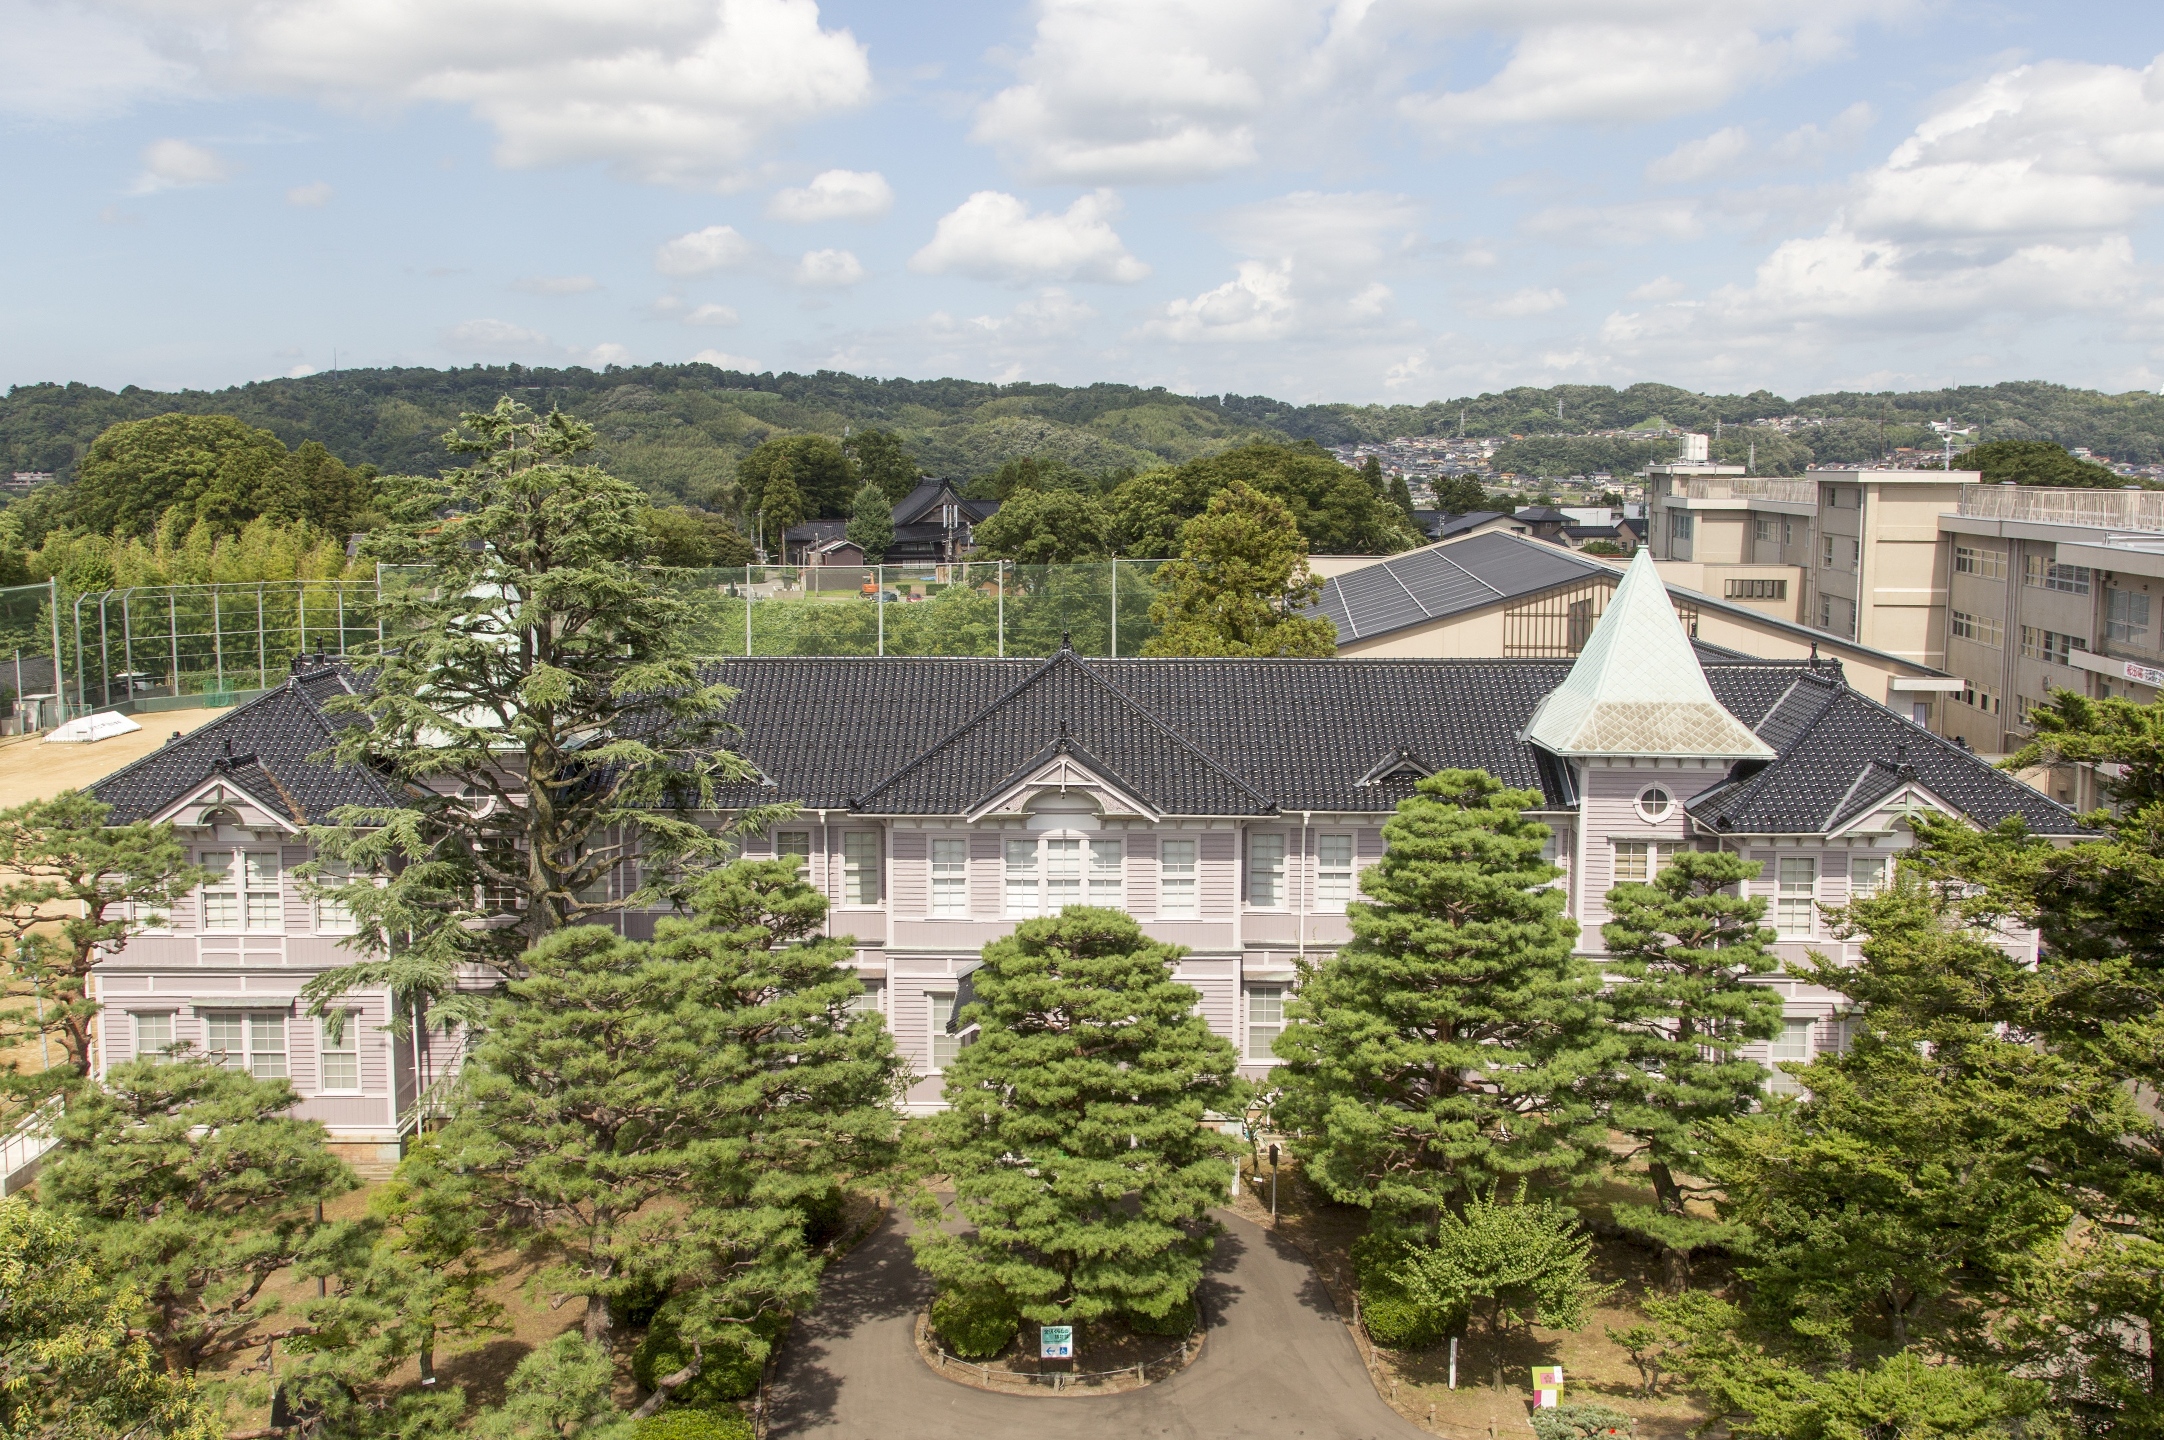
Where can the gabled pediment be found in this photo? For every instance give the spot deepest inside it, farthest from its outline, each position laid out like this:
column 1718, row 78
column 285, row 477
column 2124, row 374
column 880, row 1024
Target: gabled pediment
column 1066, row 770
column 243, row 796
column 1400, row 764
column 1894, row 810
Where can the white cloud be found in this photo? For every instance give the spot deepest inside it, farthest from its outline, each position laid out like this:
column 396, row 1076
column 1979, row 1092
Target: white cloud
column 607, row 353
column 556, row 284
column 717, row 247
column 835, row 195
column 681, row 92
column 1659, row 288
column 178, row 165
column 723, row 360
column 1314, row 265
column 1696, row 159
column 313, row 196
column 828, row 269
column 65, row 63
column 1336, row 238
column 1732, row 151
column 495, row 337
column 712, row 315
column 1635, row 223
column 993, row 236
column 1521, row 303
column 1256, row 304
column 1052, row 315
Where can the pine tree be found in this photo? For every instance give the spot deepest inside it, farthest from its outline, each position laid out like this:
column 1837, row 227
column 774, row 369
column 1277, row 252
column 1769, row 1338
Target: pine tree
column 1681, row 952
column 539, row 709
column 871, row 522
column 781, row 507
column 663, row 1115
column 1371, row 470
column 1455, row 1043
column 1074, row 1138
column 72, row 889
column 196, row 1186
column 1240, row 584
column 1401, row 495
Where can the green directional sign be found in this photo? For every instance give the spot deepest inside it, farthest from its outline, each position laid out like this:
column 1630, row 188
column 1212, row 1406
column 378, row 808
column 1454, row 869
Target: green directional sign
column 1055, row 1342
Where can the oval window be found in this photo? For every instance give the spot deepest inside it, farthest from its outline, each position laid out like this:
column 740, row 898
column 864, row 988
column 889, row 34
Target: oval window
column 1654, row 804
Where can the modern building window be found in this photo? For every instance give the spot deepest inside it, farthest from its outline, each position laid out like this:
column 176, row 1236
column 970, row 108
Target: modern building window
column 950, row 877
column 2025, row 706
column 252, row 1042
column 1755, row 589
column 1333, row 872
column 1108, row 874
column 795, row 843
column 1788, row 532
column 243, row 892
column 338, row 1057
column 1796, row 908
column 1265, row 1019
column 1983, row 700
column 1638, row 861
column 1763, row 529
column 944, row 1046
column 1983, row 629
column 1866, row 875
column 153, row 1032
column 2050, row 645
column 863, row 877
column 2126, row 617
column 2043, row 573
column 1176, row 897
column 1679, row 524
column 1265, row 870
column 1826, row 550
column 1792, row 1045
column 1981, row 561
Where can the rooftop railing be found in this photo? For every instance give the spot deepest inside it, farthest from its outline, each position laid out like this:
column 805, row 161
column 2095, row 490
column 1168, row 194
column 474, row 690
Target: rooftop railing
column 2101, row 509
column 1740, row 487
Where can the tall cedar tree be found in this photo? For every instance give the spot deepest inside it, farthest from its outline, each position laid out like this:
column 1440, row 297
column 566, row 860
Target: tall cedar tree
column 818, row 471
column 1683, row 950
column 69, row 1368
column 881, row 460
column 871, row 522
column 1240, row 584
column 663, row 1115
column 1073, row 1136
column 539, row 708
column 1456, row 1042
column 72, row 889
column 197, row 1186
column 1401, row 495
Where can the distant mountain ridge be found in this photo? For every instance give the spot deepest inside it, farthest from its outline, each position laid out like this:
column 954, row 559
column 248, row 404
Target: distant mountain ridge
column 678, row 429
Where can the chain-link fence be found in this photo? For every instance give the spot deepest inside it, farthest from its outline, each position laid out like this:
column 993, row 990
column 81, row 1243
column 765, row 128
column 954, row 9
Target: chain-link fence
column 165, row 646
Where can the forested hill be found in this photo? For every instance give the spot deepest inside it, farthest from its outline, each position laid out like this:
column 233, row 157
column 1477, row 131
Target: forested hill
column 678, row 429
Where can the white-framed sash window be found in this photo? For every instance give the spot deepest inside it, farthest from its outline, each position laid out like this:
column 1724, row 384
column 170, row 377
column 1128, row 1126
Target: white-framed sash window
column 1866, row 875
column 1108, row 874
column 153, row 1032
column 244, row 891
column 863, row 874
column 338, row 1058
column 1265, row 870
column 1796, row 904
column 1792, row 1045
column 1333, row 872
column 1024, row 880
column 247, row 1040
column 944, row 1046
column 950, row 877
column 1265, row 1020
column 1176, row 894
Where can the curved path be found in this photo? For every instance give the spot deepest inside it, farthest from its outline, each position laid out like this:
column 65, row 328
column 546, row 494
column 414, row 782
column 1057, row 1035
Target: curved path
column 1278, row 1362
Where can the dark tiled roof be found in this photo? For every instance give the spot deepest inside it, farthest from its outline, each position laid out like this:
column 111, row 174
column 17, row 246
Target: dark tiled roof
column 1427, row 584
column 1841, row 753
column 280, row 729
column 921, row 505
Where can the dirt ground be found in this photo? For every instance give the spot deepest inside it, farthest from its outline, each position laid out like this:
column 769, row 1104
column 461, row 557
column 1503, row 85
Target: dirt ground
column 1416, row 1383
column 30, row 769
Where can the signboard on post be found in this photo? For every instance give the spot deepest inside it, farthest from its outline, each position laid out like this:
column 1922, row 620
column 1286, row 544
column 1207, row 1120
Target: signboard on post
column 1055, row 1342
column 1548, row 1385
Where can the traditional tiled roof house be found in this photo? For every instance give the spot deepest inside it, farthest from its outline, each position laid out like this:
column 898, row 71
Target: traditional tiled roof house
column 1229, row 805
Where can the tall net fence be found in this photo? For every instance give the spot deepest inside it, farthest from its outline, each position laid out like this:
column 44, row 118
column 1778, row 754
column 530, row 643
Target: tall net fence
column 167, row 646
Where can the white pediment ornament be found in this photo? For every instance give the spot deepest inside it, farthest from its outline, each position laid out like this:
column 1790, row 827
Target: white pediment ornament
column 221, row 800
column 1065, row 774
column 1897, row 811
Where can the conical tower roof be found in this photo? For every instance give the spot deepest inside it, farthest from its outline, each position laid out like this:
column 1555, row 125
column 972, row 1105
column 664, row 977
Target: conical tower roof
column 1636, row 688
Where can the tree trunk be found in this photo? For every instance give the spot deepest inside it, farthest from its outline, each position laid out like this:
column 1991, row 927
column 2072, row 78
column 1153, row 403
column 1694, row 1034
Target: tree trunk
column 1668, row 1198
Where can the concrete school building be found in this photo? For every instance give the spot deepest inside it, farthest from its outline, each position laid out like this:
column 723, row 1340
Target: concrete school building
column 1228, row 805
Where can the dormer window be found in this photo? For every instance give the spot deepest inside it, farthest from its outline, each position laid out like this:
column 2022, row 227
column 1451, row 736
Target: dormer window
column 1654, row 803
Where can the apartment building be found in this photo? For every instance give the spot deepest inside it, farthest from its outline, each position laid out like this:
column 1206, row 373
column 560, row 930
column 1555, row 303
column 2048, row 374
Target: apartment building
column 1229, row 805
column 1852, row 553
column 2050, row 589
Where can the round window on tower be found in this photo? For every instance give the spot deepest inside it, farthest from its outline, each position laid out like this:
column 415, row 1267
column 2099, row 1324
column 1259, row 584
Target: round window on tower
column 1654, row 804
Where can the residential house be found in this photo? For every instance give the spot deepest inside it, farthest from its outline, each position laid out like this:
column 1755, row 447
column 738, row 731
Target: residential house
column 934, row 524
column 1229, row 805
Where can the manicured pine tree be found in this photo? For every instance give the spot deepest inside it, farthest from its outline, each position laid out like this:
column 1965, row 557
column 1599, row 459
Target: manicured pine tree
column 1681, row 953
column 1240, row 584
column 1073, row 1136
column 196, row 1186
column 663, row 1115
column 1455, row 1044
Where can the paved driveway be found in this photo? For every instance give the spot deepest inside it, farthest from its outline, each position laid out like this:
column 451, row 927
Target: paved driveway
column 1278, row 1363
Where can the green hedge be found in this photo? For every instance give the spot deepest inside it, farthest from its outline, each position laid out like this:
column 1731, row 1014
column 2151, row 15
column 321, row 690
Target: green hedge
column 975, row 1324
column 695, row 1425
column 1581, row 1422
column 729, row 1369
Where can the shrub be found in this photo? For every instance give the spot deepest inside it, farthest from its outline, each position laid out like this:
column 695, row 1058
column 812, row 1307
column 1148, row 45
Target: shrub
column 728, row 1370
column 976, row 1324
column 1183, row 1320
column 1394, row 1320
column 824, row 1216
column 1575, row 1422
column 694, row 1425
column 636, row 1306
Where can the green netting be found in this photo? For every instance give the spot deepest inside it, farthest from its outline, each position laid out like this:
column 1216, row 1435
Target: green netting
column 207, row 641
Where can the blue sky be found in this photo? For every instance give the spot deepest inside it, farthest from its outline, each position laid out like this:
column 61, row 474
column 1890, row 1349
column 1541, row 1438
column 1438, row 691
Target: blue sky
column 1362, row 200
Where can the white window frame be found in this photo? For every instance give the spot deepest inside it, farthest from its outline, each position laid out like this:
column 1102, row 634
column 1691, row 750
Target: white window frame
column 1105, row 873
column 153, row 1031
column 942, row 1047
column 1796, row 897
column 864, row 868
column 243, row 891
column 1792, row 1046
column 1179, row 882
column 1266, row 876
column 1022, row 878
column 1867, row 874
column 1268, row 1025
column 1635, row 856
column 251, row 1027
column 2120, row 625
column 1334, row 866
column 950, row 878
column 348, row 1046
column 1655, row 803
column 796, row 844
column 333, row 916
column 871, row 1000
